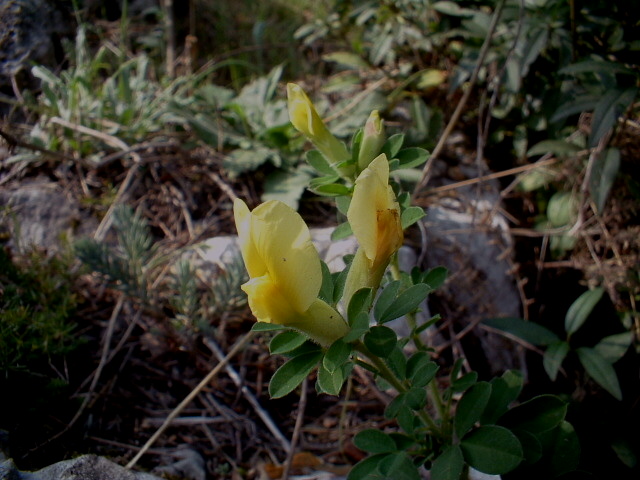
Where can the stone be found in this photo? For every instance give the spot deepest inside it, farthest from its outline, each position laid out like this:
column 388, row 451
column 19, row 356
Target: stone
column 85, row 467
column 38, row 214
column 467, row 234
column 31, row 31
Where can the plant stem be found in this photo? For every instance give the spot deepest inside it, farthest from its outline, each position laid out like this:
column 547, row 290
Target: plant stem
column 385, row 372
column 437, row 400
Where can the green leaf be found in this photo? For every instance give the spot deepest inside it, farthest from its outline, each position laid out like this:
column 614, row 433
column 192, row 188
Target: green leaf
column 267, row 327
column 421, row 369
column 565, row 450
column 398, row 466
column 605, row 170
column 241, row 160
column 464, row 382
column 330, row 382
column 562, row 208
column 582, row 103
column 535, row 179
column 359, row 326
column 397, row 362
column 337, row 355
column 531, row 447
column 340, row 279
column 556, row 147
column 540, row 414
column 528, row 331
column 581, row 308
column 292, row 373
column 367, row 469
column 406, row 302
column 449, row 465
column 393, row 408
column 609, row 108
column 393, row 145
column 286, row 342
column 385, row 299
column 600, row 370
column 360, row 302
column 553, row 358
column 341, row 231
column 326, row 289
column 331, row 190
column 625, row 451
column 346, row 59
column 470, row 407
column 380, row 340
column 410, row 216
column 492, row 449
column 447, row 7
column 435, row 277
column 411, row 157
column 504, row 390
column 613, row 347
column 324, row 180
column 286, row 186
column 416, row 398
column 596, row 66
column 374, row 441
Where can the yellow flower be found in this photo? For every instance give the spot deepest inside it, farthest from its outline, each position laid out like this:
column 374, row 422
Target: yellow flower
column 373, row 138
column 305, row 119
column 374, row 216
column 284, row 271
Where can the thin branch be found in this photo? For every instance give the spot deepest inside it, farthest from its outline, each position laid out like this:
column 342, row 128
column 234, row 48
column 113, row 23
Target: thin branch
column 240, row 344
column 302, row 404
column 463, row 100
column 251, row 398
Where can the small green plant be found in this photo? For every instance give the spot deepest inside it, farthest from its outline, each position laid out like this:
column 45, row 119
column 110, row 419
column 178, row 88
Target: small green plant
column 597, row 360
column 37, row 304
column 334, row 322
column 136, row 266
column 104, row 102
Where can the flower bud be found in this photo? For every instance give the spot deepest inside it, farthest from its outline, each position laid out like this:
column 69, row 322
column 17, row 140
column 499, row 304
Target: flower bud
column 374, row 216
column 305, row 119
column 373, row 138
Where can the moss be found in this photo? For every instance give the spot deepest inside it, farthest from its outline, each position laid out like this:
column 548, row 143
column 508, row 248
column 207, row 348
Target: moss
column 36, row 307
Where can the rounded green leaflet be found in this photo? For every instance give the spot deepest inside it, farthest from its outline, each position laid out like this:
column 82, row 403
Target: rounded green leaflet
column 581, row 308
column 374, row 441
column 540, row 414
column 380, row 341
column 292, row 373
column 449, row 465
column 471, row 407
column 286, row 341
column 492, row 449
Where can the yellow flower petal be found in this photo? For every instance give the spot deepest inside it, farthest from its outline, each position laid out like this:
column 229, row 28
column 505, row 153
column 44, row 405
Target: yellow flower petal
column 256, row 267
column 305, row 119
column 283, row 241
column 374, row 213
column 374, row 216
column 303, row 114
column 267, row 302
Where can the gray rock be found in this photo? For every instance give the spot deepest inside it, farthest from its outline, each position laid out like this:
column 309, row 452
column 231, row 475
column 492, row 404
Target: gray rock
column 190, row 466
column 469, row 236
column 39, row 214
column 30, row 32
column 86, row 467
